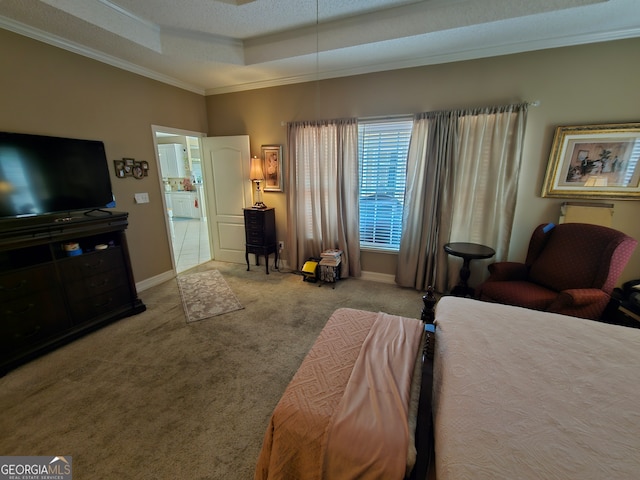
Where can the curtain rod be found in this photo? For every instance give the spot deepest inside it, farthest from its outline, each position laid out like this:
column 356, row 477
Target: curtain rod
column 533, row 103
column 283, row 123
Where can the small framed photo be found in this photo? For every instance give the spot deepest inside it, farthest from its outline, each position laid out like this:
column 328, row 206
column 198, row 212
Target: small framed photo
column 137, row 171
column 118, row 166
column 594, row 161
column 128, row 166
column 272, row 167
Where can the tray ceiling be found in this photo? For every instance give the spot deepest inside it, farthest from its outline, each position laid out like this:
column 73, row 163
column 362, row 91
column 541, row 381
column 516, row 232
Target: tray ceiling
column 218, row 46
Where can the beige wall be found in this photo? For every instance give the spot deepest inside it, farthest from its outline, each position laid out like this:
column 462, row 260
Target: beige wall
column 49, row 91
column 46, row 90
column 578, row 85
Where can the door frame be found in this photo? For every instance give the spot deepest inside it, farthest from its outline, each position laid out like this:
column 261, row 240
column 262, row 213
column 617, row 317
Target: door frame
column 155, row 130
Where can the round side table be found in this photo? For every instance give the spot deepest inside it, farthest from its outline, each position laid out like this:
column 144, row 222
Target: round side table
column 468, row 252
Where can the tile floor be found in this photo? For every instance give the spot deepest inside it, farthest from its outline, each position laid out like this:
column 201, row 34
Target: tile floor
column 190, row 239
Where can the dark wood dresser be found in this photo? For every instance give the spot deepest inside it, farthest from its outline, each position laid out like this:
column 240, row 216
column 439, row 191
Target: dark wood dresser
column 48, row 296
column 260, row 233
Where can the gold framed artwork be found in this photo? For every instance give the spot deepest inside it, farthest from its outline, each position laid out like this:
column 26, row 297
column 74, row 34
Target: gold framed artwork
column 594, row 161
column 272, row 167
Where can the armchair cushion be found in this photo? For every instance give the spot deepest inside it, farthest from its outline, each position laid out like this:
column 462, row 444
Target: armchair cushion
column 518, row 292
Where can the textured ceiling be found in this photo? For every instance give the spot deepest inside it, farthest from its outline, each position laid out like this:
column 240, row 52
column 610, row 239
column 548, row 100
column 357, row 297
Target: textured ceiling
column 217, row 46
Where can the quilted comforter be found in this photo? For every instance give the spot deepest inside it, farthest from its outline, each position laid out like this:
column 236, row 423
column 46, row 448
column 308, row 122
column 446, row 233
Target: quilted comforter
column 345, row 412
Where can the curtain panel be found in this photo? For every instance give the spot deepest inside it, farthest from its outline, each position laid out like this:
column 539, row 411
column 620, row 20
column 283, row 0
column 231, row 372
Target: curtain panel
column 322, row 200
column 463, row 168
column 427, row 210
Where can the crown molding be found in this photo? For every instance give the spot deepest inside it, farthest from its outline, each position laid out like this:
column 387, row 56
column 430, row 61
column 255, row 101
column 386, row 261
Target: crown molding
column 54, row 40
column 410, row 62
column 420, row 61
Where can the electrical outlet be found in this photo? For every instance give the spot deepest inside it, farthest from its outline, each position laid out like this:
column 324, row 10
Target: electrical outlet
column 280, row 245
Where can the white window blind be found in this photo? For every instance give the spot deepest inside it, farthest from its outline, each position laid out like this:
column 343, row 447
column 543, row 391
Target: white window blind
column 382, row 152
column 629, row 180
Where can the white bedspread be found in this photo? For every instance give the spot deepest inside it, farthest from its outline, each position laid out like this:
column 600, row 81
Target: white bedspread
column 521, row 394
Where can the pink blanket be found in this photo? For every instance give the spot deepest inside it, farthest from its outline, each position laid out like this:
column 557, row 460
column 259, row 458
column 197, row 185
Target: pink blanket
column 345, row 411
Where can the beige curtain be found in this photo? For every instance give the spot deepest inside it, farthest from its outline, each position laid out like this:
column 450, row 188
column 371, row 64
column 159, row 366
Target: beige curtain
column 462, row 184
column 322, row 193
column 427, row 207
column 489, row 148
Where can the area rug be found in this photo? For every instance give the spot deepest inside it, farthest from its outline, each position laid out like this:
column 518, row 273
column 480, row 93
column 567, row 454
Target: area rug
column 205, row 295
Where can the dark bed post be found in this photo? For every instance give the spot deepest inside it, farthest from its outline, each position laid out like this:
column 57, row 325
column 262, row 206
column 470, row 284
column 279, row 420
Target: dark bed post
column 428, row 311
column 424, row 427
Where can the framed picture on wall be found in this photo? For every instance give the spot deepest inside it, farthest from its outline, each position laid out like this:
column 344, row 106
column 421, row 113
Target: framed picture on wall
column 118, row 166
column 594, row 161
column 272, row 167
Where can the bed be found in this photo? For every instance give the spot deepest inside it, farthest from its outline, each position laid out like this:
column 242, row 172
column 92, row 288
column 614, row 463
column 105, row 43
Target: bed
column 533, row 395
column 512, row 392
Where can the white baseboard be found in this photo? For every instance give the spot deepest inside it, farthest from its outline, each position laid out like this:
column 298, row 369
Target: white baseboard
column 168, row 275
column 153, row 281
column 378, row 277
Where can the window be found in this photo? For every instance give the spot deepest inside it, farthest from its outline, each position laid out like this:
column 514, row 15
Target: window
column 382, row 154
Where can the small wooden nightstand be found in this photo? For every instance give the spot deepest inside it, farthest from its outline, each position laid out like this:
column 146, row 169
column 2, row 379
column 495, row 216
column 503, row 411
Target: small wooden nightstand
column 260, row 234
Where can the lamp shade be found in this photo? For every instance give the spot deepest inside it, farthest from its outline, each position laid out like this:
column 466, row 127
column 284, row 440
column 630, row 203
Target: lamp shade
column 255, row 171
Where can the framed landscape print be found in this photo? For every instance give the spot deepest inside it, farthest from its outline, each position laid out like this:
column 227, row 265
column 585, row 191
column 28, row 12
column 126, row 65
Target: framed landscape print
column 594, row 161
column 272, row 167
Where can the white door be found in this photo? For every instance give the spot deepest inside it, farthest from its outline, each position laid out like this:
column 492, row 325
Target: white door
column 225, row 168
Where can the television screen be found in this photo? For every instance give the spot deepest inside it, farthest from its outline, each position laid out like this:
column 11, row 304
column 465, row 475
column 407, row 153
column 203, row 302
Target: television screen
column 41, row 174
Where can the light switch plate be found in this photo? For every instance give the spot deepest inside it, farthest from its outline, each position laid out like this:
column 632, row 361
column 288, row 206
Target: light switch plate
column 141, row 197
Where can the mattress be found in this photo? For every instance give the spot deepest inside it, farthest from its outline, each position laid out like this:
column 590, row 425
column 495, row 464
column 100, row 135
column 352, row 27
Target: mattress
column 533, row 395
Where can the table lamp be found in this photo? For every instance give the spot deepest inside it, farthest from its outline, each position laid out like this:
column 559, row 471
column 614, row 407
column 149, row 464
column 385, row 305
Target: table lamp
column 256, row 175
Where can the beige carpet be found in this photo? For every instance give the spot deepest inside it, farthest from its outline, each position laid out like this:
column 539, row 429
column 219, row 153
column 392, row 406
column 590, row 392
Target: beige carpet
column 205, row 295
column 154, row 397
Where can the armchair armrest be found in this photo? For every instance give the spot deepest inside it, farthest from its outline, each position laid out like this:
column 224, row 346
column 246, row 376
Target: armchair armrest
column 501, row 271
column 579, row 297
column 581, row 302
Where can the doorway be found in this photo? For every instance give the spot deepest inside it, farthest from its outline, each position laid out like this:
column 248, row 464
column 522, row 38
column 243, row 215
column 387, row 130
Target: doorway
column 180, row 173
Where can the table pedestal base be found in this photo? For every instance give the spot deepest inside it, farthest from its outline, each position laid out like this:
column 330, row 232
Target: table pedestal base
column 468, row 252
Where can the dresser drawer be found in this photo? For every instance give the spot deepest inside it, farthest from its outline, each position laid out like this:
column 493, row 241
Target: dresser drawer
column 253, row 221
column 90, row 264
column 255, row 238
column 256, row 229
column 100, row 304
column 23, row 282
column 97, row 284
column 31, row 318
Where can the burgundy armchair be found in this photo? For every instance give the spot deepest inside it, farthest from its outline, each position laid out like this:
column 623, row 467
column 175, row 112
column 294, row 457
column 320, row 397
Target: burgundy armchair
column 570, row 268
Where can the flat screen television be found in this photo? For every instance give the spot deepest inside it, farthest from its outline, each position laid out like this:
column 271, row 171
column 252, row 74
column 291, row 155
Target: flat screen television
column 41, row 175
